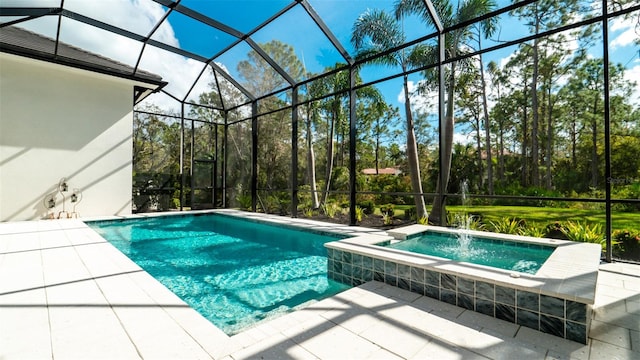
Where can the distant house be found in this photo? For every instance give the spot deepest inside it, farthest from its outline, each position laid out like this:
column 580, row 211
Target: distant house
column 385, row 171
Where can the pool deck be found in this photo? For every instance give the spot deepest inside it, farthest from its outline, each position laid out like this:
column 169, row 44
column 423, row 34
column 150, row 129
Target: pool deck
column 66, row 293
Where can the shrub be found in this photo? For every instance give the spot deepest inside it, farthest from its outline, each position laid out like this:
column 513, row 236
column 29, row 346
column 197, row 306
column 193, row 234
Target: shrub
column 583, row 232
column 628, row 244
column 555, row 231
column 244, row 201
column 330, row 209
column 533, row 231
column 388, row 209
column 367, row 206
column 387, row 219
column 423, row 220
column 411, row 213
column 508, row 226
column 359, row 213
column 307, row 212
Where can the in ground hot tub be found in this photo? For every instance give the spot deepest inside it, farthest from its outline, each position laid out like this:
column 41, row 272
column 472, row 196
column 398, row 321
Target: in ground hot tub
column 556, row 298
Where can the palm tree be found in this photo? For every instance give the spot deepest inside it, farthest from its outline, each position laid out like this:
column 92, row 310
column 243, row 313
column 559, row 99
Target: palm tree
column 376, row 31
column 455, row 43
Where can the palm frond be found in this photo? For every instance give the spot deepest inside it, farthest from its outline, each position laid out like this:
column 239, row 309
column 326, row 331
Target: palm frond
column 376, row 29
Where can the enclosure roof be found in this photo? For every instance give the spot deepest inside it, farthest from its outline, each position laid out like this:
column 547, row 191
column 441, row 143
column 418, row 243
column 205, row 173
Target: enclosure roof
column 23, row 42
column 191, row 44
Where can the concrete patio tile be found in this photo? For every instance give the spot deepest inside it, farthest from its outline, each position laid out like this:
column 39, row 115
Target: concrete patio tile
column 84, row 293
column 610, row 334
column 397, row 338
column 284, row 323
column 358, row 292
column 273, row 347
column 617, row 292
column 300, row 330
column 331, row 304
column 334, row 342
column 24, row 326
column 20, row 242
column 603, row 350
column 54, row 238
column 489, row 345
column 14, row 227
column 403, row 314
column 21, row 271
column 200, row 329
column 439, row 308
column 619, row 318
column 605, row 302
column 510, row 350
column 383, row 354
column 237, row 342
column 558, row 346
column 635, row 341
column 611, row 279
column 355, row 319
column 120, row 290
column 374, row 301
column 487, row 324
column 102, row 259
column 85, row 236
column 436, row 349
column 157, row 335
column 63, row 265
column 632, row 284
column 632, row 305
column 397, row 293
column 89, row 333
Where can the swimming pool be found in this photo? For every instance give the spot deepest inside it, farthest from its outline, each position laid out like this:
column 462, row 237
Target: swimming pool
column 508, row 255
column 235, row 272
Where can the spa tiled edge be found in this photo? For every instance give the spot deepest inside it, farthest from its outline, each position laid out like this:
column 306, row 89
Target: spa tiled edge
column 556, row 300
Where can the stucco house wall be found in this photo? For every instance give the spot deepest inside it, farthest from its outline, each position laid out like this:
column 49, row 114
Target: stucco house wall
column 61, row 122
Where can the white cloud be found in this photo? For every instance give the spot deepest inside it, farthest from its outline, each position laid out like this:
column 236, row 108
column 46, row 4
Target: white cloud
column 633, row 75
column 464, row 139
column 424, row 103
column 627, row 32
column 139, row 17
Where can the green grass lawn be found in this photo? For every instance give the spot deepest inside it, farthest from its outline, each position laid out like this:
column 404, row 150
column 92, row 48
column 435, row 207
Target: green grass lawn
column 545, row 215
column 542, row 216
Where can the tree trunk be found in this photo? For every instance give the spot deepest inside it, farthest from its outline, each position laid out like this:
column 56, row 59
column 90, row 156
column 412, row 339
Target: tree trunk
column 535, row 175
column 438, row 210
column 501, row 153
column 594, row 141
column 412, row 155
column 479, row 147
column 377, row 149
column 549, row 140
column 525, row 128
column 311, row 162
column 487, row 131
column 330, row 146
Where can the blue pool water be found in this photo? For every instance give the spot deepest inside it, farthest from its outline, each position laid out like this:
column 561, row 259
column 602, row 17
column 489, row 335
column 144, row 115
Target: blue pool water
column 507, row 255
column 234, row 272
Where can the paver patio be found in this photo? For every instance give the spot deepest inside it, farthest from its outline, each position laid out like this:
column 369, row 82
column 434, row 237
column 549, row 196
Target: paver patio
column 66, row 293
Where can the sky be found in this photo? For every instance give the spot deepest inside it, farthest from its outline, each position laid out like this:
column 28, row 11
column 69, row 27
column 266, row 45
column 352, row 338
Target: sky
column 295, row 28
